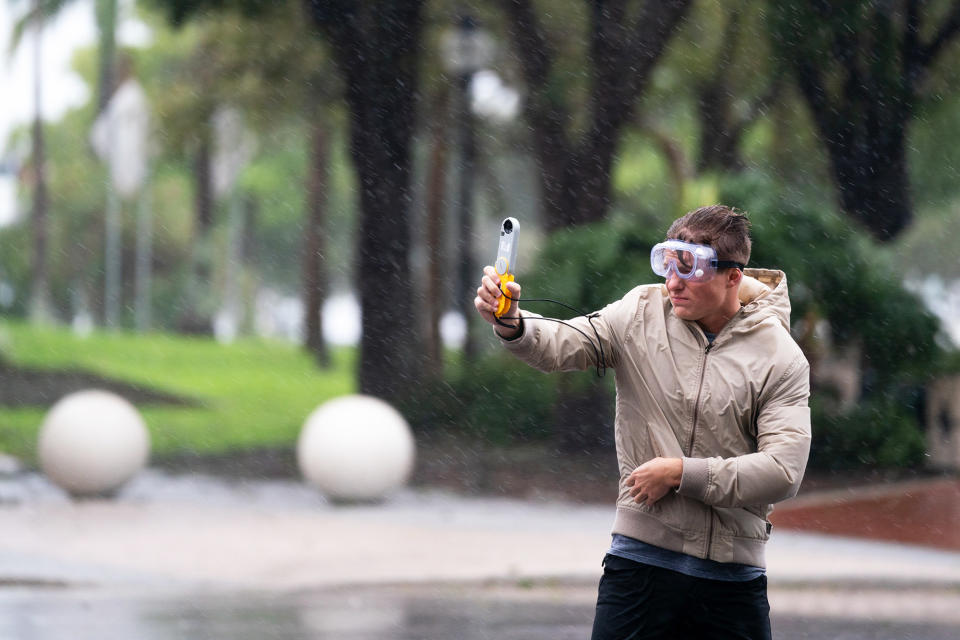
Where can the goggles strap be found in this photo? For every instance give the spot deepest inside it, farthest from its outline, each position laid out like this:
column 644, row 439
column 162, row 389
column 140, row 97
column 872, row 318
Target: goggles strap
column 728, row 264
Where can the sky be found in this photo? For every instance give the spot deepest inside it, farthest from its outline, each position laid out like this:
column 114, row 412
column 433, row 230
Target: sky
column 61, row 88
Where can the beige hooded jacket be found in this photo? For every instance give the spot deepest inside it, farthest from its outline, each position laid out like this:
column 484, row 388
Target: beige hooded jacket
column 735, row 411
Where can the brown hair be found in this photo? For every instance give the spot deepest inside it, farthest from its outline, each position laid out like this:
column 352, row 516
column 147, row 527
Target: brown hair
column 723, row 228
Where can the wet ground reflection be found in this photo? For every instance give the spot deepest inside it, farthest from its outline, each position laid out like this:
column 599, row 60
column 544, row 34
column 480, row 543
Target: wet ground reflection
column 369, row 613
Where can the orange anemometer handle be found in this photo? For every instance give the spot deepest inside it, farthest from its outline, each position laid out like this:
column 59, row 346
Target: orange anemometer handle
column 505, row 301
column 506, row 264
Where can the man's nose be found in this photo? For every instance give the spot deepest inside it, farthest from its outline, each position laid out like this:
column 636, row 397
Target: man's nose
column 674, row 282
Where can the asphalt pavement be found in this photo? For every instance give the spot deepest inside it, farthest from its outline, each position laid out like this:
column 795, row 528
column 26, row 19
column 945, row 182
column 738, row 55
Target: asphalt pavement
column 193, row 556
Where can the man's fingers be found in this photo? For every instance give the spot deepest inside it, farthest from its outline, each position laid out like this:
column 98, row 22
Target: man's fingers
column 483, row 306
column 491, row 286
column 489, row 295
column 491, row 273
column 483, row 294
column 488, row 292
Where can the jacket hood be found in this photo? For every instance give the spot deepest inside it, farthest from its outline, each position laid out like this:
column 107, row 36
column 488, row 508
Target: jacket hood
column 763, row 293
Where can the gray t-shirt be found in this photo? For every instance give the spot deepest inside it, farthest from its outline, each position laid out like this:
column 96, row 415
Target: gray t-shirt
column 626, row 547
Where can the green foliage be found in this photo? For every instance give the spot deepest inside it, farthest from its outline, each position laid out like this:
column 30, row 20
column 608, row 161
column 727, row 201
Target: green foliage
column 857, row 36
column 497, row 398
column 935, row 179
column 880, row 433
column 250, row 394
column 15, row 268
column 270, row 66
column 841, row 274
column 75, row 187
column 838, row 273
column 935, row 154
column 504, row 400
column 642, row 178
column 276, row 180
column 834, row 270
column 591, row 265
column 725, row 39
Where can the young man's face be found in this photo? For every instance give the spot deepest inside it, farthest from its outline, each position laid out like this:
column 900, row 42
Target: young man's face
column 694, row 300
column 711, row 302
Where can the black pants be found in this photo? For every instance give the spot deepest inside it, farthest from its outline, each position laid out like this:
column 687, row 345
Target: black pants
column 638, row 601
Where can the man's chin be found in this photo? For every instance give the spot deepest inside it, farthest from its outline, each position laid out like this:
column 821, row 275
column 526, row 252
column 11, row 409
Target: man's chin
column 685, row 314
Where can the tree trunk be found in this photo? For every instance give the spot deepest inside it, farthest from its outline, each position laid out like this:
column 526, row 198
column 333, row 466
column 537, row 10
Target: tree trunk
column 314, row 269
column 40, row 285
column 466, row 269
column 203, row 188
column 718, row 146
column 866, row 143
column 624, row 48
column 386, row 365
column 433, row 298
column 861, row 69
column 873, row 183
column 376, row 47
column 195, row 317
column 249, row 252
column 672, row 150
column 106, row 11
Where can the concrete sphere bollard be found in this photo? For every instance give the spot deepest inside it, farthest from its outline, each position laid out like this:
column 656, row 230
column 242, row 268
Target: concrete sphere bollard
column 356, row 448
column 91, row 442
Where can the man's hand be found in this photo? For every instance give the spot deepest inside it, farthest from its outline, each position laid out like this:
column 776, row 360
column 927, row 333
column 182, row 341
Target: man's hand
column 653, row 479
column 487, row 300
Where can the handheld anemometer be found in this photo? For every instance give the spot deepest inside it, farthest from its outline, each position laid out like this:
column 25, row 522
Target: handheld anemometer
column 506, row 264
column 506, row 267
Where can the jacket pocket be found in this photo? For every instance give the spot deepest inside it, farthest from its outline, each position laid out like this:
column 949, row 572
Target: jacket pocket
column 741, row 522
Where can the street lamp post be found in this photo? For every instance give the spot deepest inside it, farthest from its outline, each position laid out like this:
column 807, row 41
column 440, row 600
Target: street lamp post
column 467, row 49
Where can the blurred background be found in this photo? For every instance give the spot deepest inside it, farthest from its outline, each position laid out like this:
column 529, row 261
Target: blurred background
column 204, row 190
column 231, row 211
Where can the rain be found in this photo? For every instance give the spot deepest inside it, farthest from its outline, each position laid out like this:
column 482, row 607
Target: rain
column 262, row 374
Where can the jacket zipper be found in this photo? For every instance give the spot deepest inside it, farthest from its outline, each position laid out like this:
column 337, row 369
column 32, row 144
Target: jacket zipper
column 693, row 437
column 696, row 405
column 693, row 431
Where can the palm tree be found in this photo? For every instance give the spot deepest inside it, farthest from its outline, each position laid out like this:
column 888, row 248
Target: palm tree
column 40, row 11
column 106, row 15
column 40, row 285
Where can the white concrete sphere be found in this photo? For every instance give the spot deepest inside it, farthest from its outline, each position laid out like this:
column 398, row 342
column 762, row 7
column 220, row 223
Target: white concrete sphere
column 91, row 442
column 356, row 448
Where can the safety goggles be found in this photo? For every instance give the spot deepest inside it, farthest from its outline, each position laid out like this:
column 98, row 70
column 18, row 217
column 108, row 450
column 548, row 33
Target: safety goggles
column 692, row 262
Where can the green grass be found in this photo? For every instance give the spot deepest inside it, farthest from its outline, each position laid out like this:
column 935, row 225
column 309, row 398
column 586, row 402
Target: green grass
column 247, row 395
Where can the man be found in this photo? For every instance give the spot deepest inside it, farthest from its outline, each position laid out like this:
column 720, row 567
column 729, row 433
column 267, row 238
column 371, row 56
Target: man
column 712, row 427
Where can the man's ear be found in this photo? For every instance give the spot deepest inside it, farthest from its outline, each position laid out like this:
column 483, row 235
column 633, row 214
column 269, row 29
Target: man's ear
column 734, row 277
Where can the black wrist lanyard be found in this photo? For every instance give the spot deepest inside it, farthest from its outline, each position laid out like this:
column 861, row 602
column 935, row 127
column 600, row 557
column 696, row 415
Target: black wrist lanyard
column 597, row 347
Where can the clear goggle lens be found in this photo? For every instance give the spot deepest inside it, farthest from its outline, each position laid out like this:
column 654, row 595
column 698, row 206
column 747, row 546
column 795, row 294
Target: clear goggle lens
column 688, row 261
column 683, row 261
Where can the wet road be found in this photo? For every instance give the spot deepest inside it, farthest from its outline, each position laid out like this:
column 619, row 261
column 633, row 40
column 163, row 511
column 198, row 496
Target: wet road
column 196, row 557
column 535, row 612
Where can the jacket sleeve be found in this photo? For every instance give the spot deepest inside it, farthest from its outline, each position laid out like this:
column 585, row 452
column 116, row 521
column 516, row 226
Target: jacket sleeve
column 771, row 474
column 548, row 345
